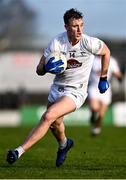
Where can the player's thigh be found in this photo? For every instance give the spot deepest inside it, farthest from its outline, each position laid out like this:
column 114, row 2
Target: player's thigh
column 94, row 104
column 62, row 107
column 103, row 109
column 58, row 121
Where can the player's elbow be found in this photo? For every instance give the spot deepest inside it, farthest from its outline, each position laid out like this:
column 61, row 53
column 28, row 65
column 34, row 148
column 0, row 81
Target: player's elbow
column 37, row 70
column 120, row 77
column 40, row 71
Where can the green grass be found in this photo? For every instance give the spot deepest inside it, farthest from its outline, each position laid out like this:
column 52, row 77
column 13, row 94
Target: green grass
column 100, row 157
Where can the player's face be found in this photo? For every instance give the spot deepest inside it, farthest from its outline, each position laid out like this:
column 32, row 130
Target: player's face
column 74, row 30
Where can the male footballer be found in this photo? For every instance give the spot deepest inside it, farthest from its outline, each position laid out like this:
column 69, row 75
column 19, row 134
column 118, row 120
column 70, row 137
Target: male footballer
column 69, row 89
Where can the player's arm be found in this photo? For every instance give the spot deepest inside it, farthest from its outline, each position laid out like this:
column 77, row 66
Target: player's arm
column 103, row 84
column 98, row 47
column 118, row 75
column 105, row 60
column 40, row 70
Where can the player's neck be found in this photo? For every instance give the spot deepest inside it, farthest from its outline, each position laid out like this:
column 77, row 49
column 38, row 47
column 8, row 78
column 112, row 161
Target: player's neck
column 72, row 40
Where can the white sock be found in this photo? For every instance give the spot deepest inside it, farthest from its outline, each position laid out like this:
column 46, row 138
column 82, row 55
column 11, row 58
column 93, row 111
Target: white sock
column 20, row 150
column 96, row 130
column 62, row 144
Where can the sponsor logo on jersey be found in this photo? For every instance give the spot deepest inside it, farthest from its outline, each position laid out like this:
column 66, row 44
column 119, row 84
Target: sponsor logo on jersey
column 73, row 63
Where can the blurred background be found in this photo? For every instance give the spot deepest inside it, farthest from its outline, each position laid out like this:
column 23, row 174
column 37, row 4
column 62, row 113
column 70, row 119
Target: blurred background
column 26, row 27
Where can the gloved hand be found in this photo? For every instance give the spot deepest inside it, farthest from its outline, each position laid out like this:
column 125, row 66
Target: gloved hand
column 54, row 67
column 103, row 84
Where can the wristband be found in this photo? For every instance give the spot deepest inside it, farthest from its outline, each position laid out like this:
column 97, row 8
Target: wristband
column 103, row 78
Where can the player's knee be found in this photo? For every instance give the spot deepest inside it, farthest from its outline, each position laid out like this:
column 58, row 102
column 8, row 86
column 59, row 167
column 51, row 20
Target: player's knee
column 101, row 116
column 49, row 117
column 96, row 109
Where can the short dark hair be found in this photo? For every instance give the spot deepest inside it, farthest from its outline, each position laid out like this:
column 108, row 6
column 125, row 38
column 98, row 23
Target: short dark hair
column 72, row 13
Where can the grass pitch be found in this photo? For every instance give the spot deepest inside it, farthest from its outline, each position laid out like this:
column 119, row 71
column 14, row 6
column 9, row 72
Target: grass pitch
column 99, row 157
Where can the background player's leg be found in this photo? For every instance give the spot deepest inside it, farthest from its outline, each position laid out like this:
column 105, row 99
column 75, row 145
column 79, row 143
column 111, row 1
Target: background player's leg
column 94, row 107
column 101, row 113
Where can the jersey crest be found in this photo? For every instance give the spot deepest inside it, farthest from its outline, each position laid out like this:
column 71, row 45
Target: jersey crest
column 73, row 63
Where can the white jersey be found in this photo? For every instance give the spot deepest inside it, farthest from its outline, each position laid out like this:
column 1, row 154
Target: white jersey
column 79, row 58
column 94, row 79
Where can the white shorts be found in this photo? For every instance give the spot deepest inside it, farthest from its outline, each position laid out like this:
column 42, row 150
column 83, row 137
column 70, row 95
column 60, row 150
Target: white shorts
column 93, row 93
column 76, row 94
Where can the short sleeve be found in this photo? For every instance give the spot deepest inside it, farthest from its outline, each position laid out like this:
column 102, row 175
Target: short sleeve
column 53, row 46
column 92, row 44
column 49, row 49
column 96, row 45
